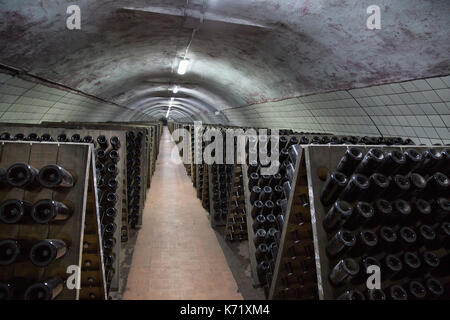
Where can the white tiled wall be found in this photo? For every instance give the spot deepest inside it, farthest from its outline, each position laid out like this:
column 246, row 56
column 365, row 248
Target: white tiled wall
column 418, row 109
column 30, row 102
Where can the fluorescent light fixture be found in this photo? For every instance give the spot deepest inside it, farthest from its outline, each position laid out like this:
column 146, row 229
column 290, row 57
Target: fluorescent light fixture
column 182, row 67
column 175, row 89
column 170, row 106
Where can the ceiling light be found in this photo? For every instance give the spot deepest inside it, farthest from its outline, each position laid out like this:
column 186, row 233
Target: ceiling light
column 182, row 67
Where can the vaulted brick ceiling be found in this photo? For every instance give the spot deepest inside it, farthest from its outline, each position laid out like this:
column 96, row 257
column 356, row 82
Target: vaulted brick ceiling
column 243, row 52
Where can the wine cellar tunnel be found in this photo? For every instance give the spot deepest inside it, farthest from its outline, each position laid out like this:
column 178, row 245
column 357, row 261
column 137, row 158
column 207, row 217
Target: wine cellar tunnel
column 110, row 112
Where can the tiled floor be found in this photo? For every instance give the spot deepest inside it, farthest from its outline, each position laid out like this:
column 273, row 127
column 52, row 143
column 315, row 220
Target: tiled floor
column 177, row 255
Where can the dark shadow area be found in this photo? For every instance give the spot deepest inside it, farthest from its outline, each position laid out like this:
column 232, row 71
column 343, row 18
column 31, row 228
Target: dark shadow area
column 237, row 256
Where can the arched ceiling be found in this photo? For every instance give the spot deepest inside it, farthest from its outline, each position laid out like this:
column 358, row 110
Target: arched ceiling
column 243, row 52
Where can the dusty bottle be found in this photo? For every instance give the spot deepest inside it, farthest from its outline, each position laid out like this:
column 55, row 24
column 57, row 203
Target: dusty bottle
column 46, row 290
column 391, row 265
column 22, row 175
column 362, row 215
column 47, row 211
column 402, row 212
column 55, row 176
column 431, row 160
column 383, row 213
column 427, row 237
column 351, row 295
column 350, row 161
column 332, row 188
column 14, row 211
column 415, row 290
column 115, row 142
column 396, row 292
column 10, row 252
column 75, row 138
column 434, row 287
column 438, row 185
column 373, row 159
column 46, row 251
column 413, row 162
column 366, row 243
column 62, row 137
column 378, row 184
column 388, row 239
column 407, row 237
column 102, row 141
column 399, row 186
column 345, row 269
column 422, row 211
column 375, row 294
column 441, row 209
column 393, row 161
column 356, row 188
column 338, row 214
column 341, row 242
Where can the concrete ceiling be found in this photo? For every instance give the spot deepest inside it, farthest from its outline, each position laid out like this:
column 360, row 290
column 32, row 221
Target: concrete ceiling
column 243, row 52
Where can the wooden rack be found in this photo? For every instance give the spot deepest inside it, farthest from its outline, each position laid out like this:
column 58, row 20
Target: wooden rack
column 150, row 145
column 250, row 234
column 121, row 204
column 236, row 225
column 218, row 218
column 326, row 159
column 205, row 187
column 145, row 158
column 297, row 219
column 84, row 243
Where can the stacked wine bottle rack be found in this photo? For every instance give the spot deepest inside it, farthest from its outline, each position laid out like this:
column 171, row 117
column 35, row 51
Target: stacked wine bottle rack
column 205, row 187
column 148, row 148
column 187, row 154
column 306, row 138
column 294, row 275
column 145, row 157
column 134, row 177
column 110, row 175
column 327, row 139
column 308, row 252
column 153, row 152
column 152, row 136
column 192, row 155
column 156, row 138
column 236, row 227
column 109, row 188
column 279, row 223
column 386, row 207
column 133, row 216
column 220, row 178
column 47, row 193
column 199, row 179
column 201, row 168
